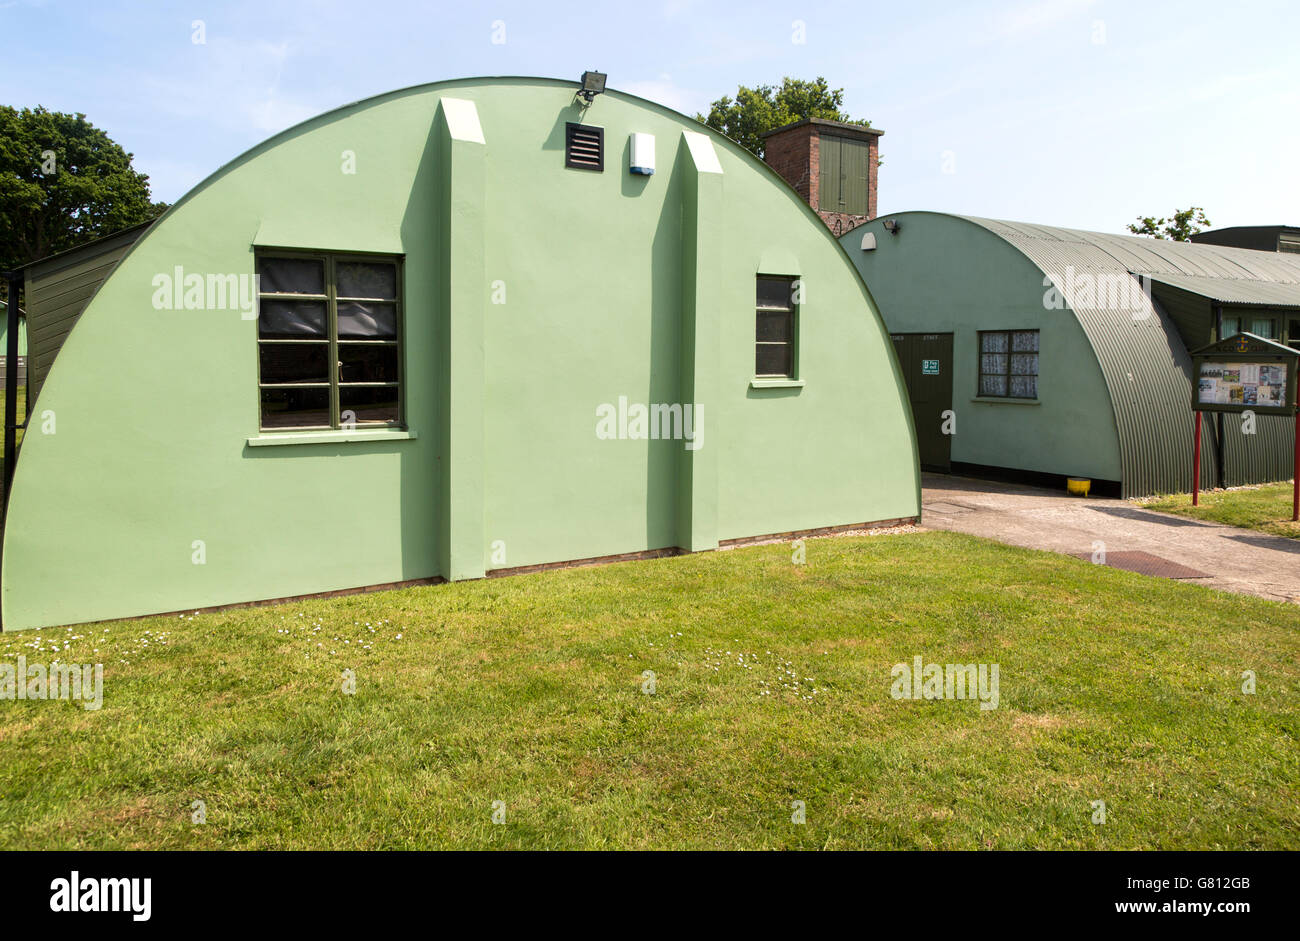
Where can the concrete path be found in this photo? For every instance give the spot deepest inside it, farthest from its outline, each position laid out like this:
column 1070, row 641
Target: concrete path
column 1240, row 560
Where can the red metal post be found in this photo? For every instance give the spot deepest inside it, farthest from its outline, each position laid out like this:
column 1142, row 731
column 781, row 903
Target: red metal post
column 1196, row 462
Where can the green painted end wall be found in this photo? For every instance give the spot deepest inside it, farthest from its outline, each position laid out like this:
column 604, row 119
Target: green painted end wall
column 153, row 407
column 943, row 274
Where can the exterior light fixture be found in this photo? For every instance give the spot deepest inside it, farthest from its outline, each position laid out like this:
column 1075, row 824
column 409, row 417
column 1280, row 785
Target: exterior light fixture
column 892, row 226
column 593, row 83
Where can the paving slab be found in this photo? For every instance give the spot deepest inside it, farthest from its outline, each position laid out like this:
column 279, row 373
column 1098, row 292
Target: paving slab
column 1227, row 557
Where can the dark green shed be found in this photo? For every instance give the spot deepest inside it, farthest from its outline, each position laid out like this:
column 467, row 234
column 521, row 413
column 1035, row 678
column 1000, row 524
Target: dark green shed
column 58, row 289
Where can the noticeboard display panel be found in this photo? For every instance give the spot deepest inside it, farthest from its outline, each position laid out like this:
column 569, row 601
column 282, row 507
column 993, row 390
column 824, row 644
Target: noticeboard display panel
column 1244, row 373
column 1246, row 385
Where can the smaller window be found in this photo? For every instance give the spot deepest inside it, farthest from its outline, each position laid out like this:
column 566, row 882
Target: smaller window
column 1009, row 363
column 774, row 327
column 1264, row 327
column 1231, row 327
column 584, row 146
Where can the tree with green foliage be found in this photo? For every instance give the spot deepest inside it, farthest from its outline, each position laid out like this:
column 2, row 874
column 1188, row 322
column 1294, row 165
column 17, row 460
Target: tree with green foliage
column 1180, row 228
column 764, row 108
column 63, row 182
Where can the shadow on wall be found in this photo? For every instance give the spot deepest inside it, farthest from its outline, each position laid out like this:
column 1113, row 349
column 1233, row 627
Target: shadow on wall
column 421, row 461
column 571, row 114
column 666, row 312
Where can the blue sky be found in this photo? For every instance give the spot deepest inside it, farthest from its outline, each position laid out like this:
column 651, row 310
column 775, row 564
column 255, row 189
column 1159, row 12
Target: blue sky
column 1080, row 113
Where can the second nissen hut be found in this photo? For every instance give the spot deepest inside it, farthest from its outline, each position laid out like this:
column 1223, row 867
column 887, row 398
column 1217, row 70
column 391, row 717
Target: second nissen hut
column 458, row 329
column 1044, row 352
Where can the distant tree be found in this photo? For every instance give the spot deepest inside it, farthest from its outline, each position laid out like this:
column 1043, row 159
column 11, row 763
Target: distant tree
column 1180, row 228
column 766, row 107
column 63, row 182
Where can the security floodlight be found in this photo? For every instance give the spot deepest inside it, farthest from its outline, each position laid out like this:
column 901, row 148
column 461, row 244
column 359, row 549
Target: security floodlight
column 593, row 83
column 891, row 226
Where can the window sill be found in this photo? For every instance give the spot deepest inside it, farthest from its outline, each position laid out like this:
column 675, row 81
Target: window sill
column 327, row 437
column 776, row 383
column 1004, row 400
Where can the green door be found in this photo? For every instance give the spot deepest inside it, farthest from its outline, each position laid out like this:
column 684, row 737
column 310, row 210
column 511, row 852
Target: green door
column 926, row 360
column 843, row 164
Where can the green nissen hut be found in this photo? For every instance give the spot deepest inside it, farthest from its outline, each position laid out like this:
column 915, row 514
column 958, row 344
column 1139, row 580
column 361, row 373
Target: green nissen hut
column 1050, row 352
column 455, row 330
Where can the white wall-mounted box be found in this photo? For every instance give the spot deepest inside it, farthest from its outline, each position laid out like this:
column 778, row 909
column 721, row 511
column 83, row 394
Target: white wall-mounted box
column 642, row 154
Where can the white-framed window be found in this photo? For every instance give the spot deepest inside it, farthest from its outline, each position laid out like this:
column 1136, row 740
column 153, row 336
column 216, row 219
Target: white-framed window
column 1008, row 364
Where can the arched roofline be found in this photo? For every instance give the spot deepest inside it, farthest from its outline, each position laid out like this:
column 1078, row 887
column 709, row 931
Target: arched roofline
column 426, row 87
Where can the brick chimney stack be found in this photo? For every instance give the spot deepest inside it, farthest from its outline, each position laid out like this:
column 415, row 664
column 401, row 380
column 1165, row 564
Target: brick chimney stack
column 832, row 166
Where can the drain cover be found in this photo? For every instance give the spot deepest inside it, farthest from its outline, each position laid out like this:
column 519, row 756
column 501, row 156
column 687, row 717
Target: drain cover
column 1144, row 563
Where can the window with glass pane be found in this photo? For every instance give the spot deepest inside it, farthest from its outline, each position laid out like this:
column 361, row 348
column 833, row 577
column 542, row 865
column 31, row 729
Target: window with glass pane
column 1264, row 327
column 329, row 340
column 774, row 328
column 1009, row 363
column 1231, row 326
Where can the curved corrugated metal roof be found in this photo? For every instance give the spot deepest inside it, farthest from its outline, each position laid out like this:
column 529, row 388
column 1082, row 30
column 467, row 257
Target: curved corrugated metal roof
column 1146, row 365
column 1146, row 255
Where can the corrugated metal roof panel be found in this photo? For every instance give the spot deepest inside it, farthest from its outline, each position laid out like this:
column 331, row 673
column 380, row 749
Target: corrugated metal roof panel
column 1148, row 255
column 1235, row 290
column 59, row 288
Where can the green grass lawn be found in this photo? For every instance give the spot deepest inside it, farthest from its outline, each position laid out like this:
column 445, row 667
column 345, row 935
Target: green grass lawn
column 1266, row 507
column 772, row 686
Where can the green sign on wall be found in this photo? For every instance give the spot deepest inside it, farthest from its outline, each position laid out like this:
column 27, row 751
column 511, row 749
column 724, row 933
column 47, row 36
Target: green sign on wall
column 929, row 367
